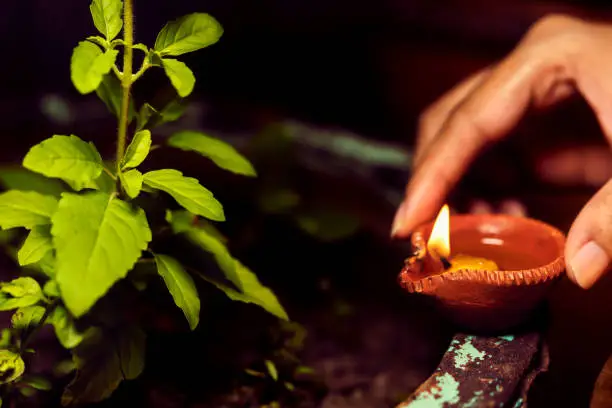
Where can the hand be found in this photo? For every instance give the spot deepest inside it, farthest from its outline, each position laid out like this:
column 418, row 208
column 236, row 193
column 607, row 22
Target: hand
column 559, row 56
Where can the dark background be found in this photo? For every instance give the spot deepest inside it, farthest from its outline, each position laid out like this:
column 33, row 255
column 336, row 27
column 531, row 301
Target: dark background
column 370, row 67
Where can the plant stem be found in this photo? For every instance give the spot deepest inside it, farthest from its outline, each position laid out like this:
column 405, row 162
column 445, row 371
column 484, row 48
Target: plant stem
column 126, row 79
column 143, row 68
column 118, row 73
column 110, row 173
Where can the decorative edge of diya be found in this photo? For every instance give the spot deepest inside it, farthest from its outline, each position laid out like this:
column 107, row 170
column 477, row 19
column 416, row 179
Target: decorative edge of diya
column 414, row 265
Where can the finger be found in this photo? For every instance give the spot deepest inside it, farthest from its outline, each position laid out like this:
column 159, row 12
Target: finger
column 509, row 207
column 513, row 207
column 551, row 94
column 480, row 207
column 433, row 118
column 588, row 249
column 486, row 115
column 588, row 166
column 546, row 57
column 593, row 76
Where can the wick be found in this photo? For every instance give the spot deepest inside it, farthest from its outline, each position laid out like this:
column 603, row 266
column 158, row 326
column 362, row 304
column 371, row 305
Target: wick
column 445, row 262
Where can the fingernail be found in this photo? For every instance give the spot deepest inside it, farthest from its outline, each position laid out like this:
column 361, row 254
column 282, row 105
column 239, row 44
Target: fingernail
column 589, row 263
column 480, row 207
column 398, row 221
column 513, row 207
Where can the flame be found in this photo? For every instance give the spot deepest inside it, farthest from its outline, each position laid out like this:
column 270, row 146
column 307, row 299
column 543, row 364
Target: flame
column 439, row 240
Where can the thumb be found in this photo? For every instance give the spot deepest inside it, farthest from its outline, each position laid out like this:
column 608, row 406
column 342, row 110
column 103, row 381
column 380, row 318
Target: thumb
column 588, row 250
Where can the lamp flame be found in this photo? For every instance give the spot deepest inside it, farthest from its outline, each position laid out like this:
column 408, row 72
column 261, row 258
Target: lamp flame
column 439, row 240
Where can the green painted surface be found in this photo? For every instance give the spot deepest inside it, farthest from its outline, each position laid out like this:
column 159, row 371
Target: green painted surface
column 475, row 401
column 467, row 354
column 445, row 391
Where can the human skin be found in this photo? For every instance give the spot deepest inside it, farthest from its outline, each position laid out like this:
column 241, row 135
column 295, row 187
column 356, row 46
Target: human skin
column 558, row 57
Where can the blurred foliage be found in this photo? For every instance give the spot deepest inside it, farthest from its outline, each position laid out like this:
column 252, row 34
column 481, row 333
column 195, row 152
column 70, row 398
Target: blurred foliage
column 19, row 178
column 280, row 192
column 281, row 371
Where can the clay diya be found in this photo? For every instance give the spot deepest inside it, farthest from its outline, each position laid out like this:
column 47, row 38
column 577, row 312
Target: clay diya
column 497, row 274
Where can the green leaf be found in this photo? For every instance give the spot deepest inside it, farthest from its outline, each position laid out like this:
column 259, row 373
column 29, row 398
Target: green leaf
column 110, row 93
column 180, row 76
column 187, row 191
column 182, row 220
column 172, row 111
column 131, row 346
column 64, row 368
column 98, row 239
column 18, row 178
column 106, row 16
column 25, row 209
column 252, row 292
column 65, row 330
column 96, row 39
column 254, row 373
column 11, row 366
column 138, row 149
column 181, row 287
column 5, row 338
column 221, row 153
column 328, row 225
column 37, row 382
column 304, row 370
column 278, row 201
column 139, row 284
column 36, row 246
column 149, row 117
column 210, row 243
column 104, row 183
column 20, row 292
column 7, row 236
column 103, row 360
column 51, row 289
column 145, row 114
column 142, row 47
column 188, row 33
column 27, row 391
column 271, row 367
column 66, row 157
column 154, row 58
column 131, row 182
column 27, row 317
column 20, row 287
column 46, row 265
column 88, row 66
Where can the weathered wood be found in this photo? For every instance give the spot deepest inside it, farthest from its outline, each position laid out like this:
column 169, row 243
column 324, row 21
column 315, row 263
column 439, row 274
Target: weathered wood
column 483, row 372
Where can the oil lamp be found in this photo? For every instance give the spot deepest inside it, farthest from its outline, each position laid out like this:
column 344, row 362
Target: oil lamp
column 488, row 272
